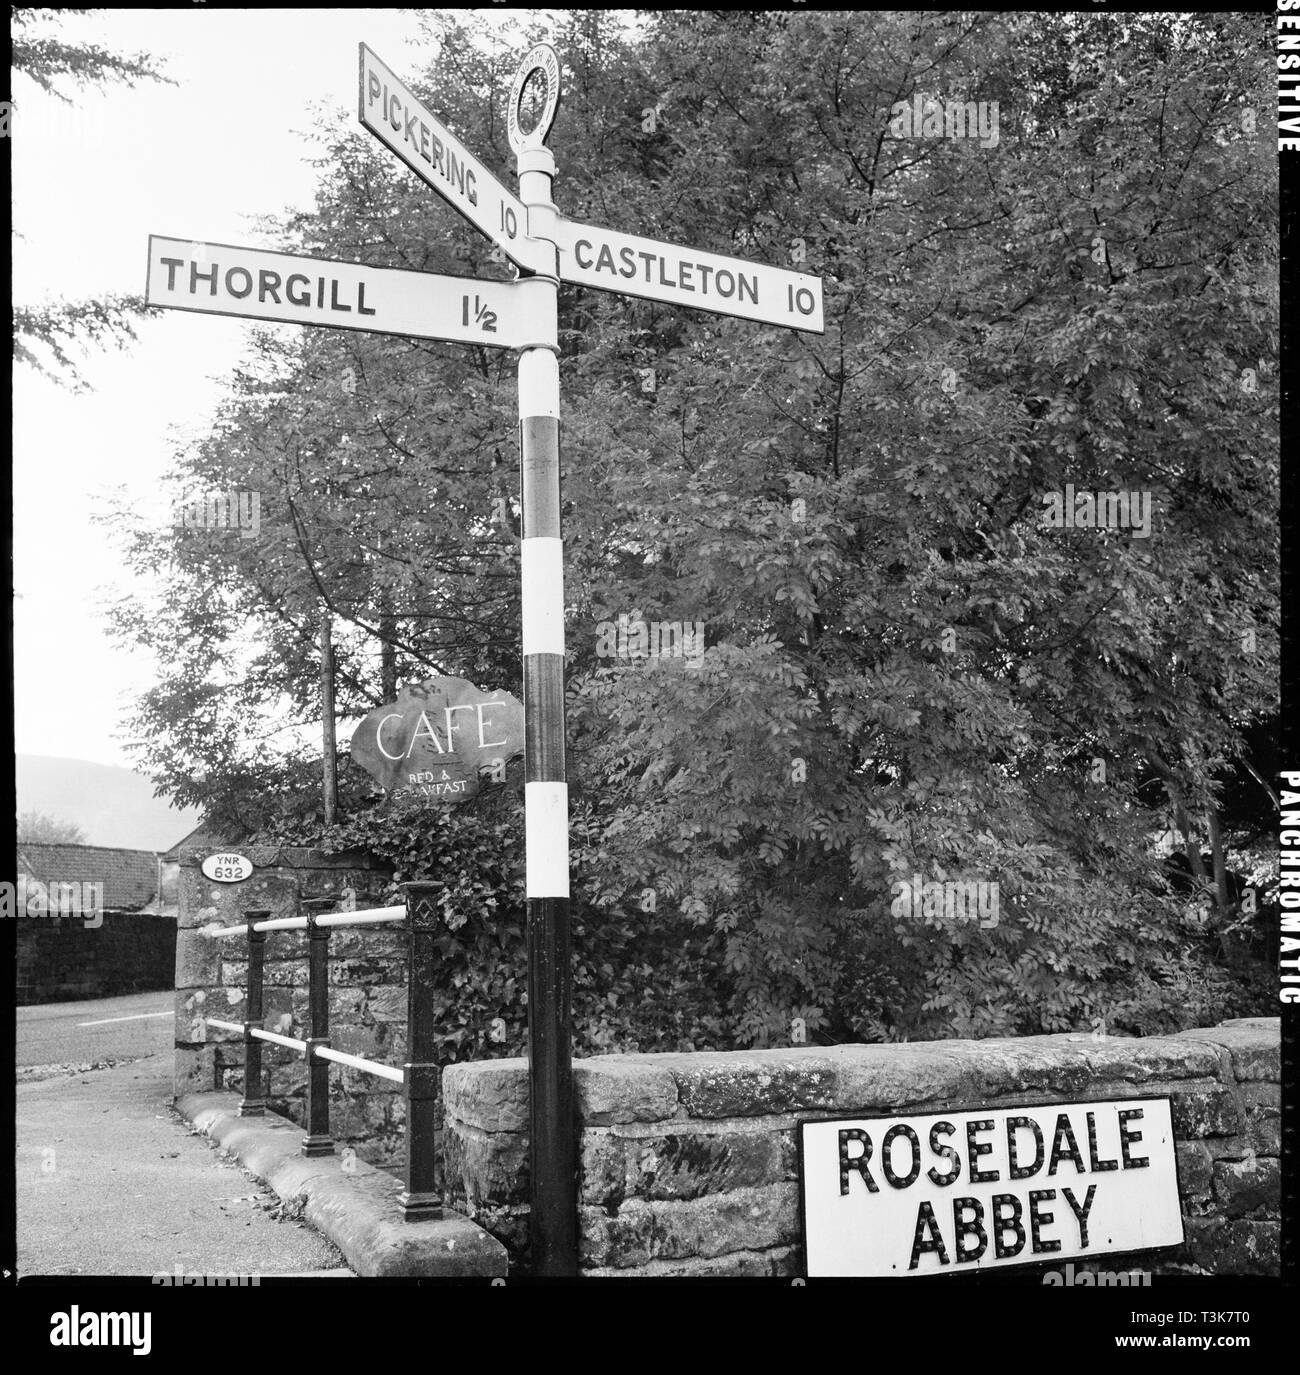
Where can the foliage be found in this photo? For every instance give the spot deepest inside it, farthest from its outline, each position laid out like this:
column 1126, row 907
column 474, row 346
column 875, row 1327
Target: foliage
column 641, row 981
column 51, row 61
column 40, row 828
column 906, row 673
column 43, row 334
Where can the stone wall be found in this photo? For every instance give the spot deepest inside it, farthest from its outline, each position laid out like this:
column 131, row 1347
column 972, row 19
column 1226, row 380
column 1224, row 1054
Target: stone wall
column 61, row 959
column 689, row 1162
column 367, row 991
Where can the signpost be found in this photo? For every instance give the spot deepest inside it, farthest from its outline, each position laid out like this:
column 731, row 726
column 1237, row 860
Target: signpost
column 951, row 1192
column 433, row 152
column 257, row 284
column 528, row 228
column 611, row 261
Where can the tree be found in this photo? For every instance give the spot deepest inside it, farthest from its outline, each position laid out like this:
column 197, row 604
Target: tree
column 39, row 828
column 44, row 334
column 908, row 673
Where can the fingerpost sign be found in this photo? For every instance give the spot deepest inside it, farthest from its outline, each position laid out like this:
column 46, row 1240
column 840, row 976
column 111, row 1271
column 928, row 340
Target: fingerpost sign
column 547, row 249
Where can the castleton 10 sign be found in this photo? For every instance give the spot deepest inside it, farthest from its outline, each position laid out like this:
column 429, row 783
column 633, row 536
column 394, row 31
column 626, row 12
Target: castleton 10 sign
column 961, row 1191
column 438, row 737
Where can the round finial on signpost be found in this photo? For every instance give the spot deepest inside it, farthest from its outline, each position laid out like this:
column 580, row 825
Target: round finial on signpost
column 538, row 78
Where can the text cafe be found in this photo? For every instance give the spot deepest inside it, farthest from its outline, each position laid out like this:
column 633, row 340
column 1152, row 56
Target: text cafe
column 994, row 1187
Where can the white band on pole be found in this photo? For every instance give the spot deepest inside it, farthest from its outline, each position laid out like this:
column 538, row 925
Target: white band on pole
column 539, row 384
column 546, row 839
column 541, row 568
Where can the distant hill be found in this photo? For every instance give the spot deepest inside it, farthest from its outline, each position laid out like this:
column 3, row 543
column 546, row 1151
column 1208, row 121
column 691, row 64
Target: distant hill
column 112, row 805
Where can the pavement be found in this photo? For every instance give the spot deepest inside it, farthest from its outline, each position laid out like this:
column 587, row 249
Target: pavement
column 111, row 1180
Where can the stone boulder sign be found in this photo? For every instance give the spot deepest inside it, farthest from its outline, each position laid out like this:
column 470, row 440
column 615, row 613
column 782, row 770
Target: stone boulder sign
column 438, row 737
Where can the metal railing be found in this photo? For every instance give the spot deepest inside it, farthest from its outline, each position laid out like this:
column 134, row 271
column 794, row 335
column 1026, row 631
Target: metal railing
column 418, row 1075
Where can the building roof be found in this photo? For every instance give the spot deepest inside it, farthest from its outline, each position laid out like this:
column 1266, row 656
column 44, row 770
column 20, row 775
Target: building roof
column 202, row 836
column 130, row 877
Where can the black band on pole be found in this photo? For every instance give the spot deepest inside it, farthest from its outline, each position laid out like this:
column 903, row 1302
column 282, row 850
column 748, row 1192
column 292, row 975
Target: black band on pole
column 544, row 696
column 553, row 1216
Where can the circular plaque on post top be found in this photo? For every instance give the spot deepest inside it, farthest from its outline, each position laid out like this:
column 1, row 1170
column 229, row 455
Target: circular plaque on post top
column 541, row 67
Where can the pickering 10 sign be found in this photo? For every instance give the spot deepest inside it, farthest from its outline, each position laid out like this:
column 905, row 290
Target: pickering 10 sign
column 962, row 1191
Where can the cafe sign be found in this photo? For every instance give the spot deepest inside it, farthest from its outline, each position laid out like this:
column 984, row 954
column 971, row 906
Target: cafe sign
column 439, row 738
column 955, row 1192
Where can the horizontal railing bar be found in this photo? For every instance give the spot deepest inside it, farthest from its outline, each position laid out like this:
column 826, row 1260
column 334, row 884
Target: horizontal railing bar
column 225, row 1026
column 369, row 1066
column 278, row 1039
column 241, row 928
column 371, row 916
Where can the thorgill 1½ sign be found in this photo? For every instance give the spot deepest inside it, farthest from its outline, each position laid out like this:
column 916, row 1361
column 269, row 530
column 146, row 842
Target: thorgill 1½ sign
column 259, row 284
column 963, row 1191
column 438, row 737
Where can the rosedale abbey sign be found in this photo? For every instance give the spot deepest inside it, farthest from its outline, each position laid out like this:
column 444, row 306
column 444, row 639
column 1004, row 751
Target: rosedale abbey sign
column 996, row 1187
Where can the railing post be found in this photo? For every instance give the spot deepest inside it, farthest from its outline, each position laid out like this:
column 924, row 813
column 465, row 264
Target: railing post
column 420, row 1198
column 253, row 1104
column 318, row 1140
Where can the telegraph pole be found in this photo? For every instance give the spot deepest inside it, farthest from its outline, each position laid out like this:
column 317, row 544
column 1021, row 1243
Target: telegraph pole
column 330, row 775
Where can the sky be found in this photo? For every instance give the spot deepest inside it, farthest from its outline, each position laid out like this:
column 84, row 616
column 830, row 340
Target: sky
column 198, row 160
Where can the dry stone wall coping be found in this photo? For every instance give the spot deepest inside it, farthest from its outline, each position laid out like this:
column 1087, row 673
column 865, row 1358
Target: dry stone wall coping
column 492, row 1095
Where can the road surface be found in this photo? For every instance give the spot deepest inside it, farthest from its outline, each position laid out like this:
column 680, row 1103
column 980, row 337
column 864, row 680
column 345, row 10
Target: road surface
column 110, row 1181
column 126, row 1028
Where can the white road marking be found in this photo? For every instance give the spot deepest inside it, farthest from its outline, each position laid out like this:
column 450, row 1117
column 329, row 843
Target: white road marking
column 139, row 1017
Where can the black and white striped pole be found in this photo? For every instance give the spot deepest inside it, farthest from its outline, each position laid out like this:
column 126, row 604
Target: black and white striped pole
column 553, row 1215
